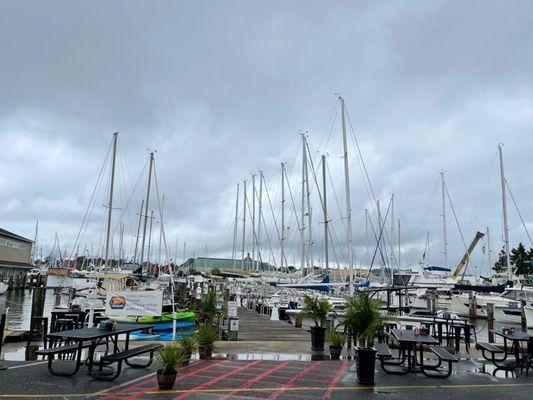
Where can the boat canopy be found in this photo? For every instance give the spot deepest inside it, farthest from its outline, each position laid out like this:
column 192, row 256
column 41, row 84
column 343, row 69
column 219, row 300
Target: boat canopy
column 437, row 268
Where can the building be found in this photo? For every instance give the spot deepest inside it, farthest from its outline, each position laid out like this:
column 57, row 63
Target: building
column 206, row 264
column 15, row 253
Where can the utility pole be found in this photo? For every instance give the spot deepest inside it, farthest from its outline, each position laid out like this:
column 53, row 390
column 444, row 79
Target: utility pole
column 347, row 193
column 234, row 253
column 146, row 208
column 325, row 209
column 110, row 205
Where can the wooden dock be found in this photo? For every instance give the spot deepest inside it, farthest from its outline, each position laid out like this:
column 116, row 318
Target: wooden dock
column 256, row 327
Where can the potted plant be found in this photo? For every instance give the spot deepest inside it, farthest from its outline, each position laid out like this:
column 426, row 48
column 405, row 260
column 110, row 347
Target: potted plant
column 318, row 311
column 187, row 343
column 363, row 317
column 206, row 336
column 169, row 356
column 337, row 340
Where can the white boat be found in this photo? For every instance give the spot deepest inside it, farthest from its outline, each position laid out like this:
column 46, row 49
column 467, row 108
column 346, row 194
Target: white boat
column 506, row 304
column 3, row 288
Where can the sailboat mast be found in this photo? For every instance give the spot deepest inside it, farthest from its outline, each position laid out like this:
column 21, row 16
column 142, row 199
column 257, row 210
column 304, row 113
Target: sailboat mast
column 282, row 215
column 260, row 217
column 243, row 224
column 149, row 240
column 234, row 252
column 505, row 226
column 110, row 205
column 380, row 230
column 138, row 232
column 392, row 222
column 121, row 245
column 444, row 236
column 253, row 222
column 146, row 209
column 36, row 241
column 304, row 164
column 325, row 209
column 158, row 261
column 489, row 251
column 309, row 216
column 399, row 245
column 347, row 193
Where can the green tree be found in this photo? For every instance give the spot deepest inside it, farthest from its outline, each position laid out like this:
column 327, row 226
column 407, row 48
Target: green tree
column 520, row 258
column 500, row 265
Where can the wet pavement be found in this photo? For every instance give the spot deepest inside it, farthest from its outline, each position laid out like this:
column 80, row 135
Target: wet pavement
column 260, row 379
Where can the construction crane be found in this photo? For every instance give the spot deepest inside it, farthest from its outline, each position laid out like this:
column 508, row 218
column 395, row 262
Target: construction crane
column 466, row 257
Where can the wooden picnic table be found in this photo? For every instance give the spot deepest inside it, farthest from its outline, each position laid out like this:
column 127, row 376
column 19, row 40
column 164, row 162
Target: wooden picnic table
column 90, row 338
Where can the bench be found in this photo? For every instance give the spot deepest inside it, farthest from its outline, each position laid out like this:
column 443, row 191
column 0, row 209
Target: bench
column 433, row 371
column 69, row 348
column 384, row 355
column 383, row 351
column 500, row 363
column 121, row 356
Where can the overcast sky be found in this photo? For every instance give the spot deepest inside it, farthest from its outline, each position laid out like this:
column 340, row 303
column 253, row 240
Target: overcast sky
column 222, row 89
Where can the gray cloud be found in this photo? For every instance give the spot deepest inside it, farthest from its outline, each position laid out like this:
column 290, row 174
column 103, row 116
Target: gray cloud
column 222, row 89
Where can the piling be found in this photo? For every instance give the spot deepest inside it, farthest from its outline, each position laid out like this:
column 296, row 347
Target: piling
column 523, row 321
column 57, row 294
column 37, row 302
column 490, row 321
column 472, row 307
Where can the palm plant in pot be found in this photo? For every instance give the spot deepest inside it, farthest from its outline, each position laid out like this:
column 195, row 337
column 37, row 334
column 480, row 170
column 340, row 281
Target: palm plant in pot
column 206, row 335
column 170, row 356
column 336, row 340
column 363, row 317
column 318, row 311
column 187, row 343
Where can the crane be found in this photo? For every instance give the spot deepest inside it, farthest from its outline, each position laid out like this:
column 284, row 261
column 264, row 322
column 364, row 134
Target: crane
column 466, row 256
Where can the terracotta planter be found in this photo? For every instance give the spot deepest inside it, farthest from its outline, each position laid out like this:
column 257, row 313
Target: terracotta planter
column 165, row 381
column 366, row 364
column 335, row 352
column 205, row 352
column 318, row 337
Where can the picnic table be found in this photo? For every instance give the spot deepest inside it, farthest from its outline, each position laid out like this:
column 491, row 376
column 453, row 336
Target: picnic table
column 409, row 345
column 78, row 339
column 516, row 338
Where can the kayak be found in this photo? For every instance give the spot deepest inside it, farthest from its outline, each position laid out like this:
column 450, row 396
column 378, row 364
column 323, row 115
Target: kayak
column 167, row 326
column 149, row 319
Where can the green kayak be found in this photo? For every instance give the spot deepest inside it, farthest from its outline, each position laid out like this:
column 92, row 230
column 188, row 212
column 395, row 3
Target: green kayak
column 166, row 317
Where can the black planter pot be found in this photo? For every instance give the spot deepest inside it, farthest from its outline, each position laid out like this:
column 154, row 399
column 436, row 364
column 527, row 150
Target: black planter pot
column 335, row 352
column 318, row 337
column 366, row 364
column 205, row 352
column 165, row 381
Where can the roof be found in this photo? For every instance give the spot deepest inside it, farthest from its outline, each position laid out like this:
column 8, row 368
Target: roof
column 224, row 264
column 12, row 264
column 11, row 235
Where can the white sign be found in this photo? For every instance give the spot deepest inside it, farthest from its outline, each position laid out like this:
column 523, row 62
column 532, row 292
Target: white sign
column 234, row 325
column 232, row 309
column 135, row 303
